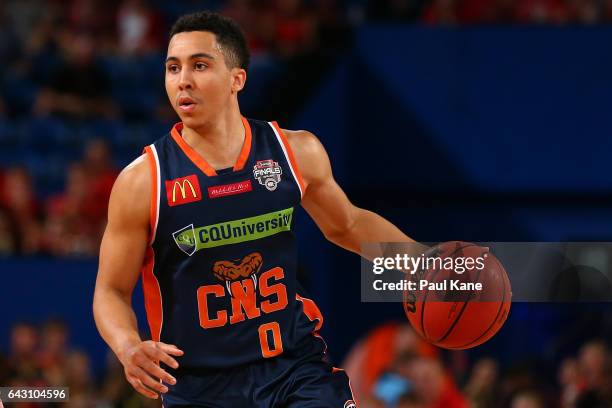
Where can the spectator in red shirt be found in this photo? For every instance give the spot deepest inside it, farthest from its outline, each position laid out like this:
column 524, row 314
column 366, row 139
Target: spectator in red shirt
column 18, row 193
column 91, row 16
column 483, row 388
column 140, row 28
column 410, row 400
column 54, row 351
column 295, row 28
column 79, row 379
column 21, row 207
column 569, row 380
column 442, row 12
column 434, row 387
column 8, row 234
column 76, row 217
column 607, row 11
column 594, row 367
column 487, row 11
column 22, row 358
column 100, row 174
column 585, row 12
column 527, row 399
column 69, row 231
column 541, row 12
column 257, row 21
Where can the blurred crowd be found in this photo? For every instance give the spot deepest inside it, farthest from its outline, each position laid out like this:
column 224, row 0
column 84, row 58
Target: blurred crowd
column 41, row 356
column 391, row 367
column 470, row 12
column 64, row 57
column 81, row 88
column 68, row 223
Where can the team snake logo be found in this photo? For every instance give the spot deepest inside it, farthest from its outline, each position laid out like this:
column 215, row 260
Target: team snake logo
column 229, row 271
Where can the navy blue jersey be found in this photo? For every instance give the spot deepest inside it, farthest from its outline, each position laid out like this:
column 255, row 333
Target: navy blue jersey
column 220, row 274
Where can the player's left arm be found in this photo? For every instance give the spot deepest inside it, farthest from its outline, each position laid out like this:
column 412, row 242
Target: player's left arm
column 341, row 222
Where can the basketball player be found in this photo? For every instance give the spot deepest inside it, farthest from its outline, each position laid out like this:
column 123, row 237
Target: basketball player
column 206, row 214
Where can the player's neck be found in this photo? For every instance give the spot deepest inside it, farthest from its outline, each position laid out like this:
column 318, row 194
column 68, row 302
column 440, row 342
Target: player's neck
column 219, row 142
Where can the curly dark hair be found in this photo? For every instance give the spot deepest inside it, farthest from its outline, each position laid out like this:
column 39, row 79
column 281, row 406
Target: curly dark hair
column 228, row 33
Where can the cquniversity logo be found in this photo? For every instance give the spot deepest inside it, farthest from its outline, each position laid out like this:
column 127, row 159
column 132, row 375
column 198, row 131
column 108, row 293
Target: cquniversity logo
column 186, row 240
column 191, row 239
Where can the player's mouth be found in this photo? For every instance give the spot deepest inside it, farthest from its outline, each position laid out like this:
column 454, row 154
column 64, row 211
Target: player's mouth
column 186, row 104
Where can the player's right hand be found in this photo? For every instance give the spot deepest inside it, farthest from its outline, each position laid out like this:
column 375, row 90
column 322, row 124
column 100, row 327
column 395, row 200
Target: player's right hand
column 141, row 364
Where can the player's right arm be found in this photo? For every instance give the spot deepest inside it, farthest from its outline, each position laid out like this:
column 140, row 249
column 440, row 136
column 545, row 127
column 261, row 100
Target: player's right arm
column 121, row 256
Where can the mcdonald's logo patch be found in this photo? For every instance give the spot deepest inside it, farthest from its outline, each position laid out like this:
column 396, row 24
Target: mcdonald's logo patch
column 183, row 190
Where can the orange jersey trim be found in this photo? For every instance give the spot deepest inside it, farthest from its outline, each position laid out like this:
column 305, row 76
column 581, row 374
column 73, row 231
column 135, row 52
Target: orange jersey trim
column 340, row 370
column 311, row 310
column 154, row 193
column 246, row 147
column 296, row 168
column 152, row 296
column 200, row 162
column 192, row 154
column 150, row 285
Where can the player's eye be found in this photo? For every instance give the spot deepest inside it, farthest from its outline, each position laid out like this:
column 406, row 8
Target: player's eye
column 200, row 66
column 172, row 68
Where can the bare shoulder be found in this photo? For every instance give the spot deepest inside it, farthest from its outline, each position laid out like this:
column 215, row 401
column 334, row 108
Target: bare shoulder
column 131, row 194
column 136, row 176
column 303, row 142
column 310, row 155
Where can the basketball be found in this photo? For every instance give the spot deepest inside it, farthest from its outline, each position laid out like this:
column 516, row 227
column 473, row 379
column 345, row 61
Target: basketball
column 459, row 307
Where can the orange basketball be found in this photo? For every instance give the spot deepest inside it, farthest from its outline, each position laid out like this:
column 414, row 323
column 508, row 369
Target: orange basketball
column 458, row 310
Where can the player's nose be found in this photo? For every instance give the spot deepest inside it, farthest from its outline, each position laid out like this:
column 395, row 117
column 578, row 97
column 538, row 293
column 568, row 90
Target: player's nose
column 185, row 80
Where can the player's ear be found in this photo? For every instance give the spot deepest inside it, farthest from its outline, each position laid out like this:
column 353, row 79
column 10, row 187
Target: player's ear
column 238, row 79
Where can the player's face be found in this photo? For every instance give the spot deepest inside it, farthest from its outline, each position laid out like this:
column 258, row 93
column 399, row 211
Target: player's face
column 199, row 84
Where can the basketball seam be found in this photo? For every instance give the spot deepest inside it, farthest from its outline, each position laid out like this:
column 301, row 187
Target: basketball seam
column 501, row 306
column 465, row 305
column 427, row 293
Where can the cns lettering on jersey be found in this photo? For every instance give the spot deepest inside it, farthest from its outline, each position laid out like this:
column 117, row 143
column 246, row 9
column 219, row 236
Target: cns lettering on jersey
column 183, row 190
column 247, row 299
